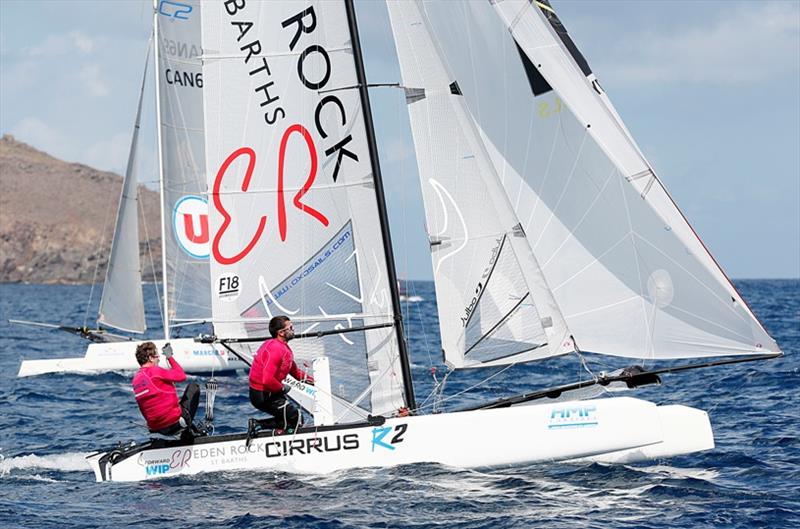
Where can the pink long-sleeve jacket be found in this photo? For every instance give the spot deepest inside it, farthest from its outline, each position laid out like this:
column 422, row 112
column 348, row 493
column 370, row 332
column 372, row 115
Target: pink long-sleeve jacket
column 273, row 361
column 154, row 388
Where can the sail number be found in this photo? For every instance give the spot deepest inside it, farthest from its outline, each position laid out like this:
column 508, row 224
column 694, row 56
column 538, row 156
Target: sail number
column 173, row 9
column 228, row 287
column 546, row 110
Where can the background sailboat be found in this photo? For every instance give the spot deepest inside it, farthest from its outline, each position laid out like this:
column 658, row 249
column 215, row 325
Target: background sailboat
column 184, row 220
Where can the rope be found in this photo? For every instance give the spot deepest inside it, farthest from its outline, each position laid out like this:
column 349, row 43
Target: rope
column 418, row 408
column 437, row 391
column 97, row 264
column 150, row 255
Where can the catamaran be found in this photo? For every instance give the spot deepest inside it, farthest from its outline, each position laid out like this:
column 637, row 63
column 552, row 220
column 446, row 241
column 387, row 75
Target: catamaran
column 184, row 227
column 550, row 234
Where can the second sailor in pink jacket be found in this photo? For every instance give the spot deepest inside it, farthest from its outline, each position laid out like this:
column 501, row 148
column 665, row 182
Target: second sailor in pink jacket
column 273, row 361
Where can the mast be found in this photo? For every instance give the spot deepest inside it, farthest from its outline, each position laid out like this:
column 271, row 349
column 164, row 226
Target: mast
column 161, row 171
column 382, row 214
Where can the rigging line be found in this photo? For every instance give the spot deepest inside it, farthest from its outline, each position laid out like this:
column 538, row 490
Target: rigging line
column 424, row 332
column 604, row 307
column 319, row 318
column 184, row 323
column 433, row 391
column 487, row 379
column 319, row 334
column 638, row 258
column 357, row 182
column 356, row 86
column 351, row 406
column 506, row 110
column 587, row 210
column 702, row 283
column 591, row 263
column 539, row 192
column 239, row 356
column 271, row 55
column 437, row 401
column 472, row 45
column 496, row 325
column 436, row 391
column 150, row 253
column 488, row 277
column 348, row 405
column 191, row 61
column 567, row 183
column 181, row 128
column 555, row 392
column 651, row 325
column 97, row 264
column 712, row 323
column 584, row 363
column 494, row 361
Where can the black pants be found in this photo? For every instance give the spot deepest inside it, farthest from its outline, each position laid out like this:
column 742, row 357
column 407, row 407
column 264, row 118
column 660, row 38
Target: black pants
column 285, row 414
column 189, row 403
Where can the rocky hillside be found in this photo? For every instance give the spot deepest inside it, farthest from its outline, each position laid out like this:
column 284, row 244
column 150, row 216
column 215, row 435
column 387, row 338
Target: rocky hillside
column 57, row 218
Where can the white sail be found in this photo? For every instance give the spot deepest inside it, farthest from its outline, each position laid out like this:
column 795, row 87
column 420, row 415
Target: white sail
column 122, row 303
column 180, row 93
column 494, row 304
column 294, row 221
column 629, row 274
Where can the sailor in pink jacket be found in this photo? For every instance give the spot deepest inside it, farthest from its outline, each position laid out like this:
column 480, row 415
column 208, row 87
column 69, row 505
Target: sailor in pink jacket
column 273, row 361
column 154, row 389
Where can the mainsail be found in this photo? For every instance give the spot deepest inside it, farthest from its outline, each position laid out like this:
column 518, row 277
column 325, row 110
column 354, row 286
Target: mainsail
column 183, row 176
column 494, row 304
column 295, row 226
column 626, row 270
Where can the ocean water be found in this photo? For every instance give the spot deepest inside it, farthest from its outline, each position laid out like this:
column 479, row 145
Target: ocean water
column 49, row 423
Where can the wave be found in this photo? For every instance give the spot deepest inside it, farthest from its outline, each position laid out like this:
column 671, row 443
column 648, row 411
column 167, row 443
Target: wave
column 67, row 462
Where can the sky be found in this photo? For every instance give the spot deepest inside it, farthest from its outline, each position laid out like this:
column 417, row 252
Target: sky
column 709, row 89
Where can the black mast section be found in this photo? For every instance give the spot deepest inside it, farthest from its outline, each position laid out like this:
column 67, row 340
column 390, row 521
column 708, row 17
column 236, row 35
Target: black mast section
column 384, row 219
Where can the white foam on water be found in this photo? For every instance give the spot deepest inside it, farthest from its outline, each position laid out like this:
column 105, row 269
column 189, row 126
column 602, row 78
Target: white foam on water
column 703, row 474
column 69, row 462
column 45, row 479
column 411, row 299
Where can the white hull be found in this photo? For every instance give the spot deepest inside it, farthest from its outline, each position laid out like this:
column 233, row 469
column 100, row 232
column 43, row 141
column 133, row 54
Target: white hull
column 194, row 357
column 622, row 429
